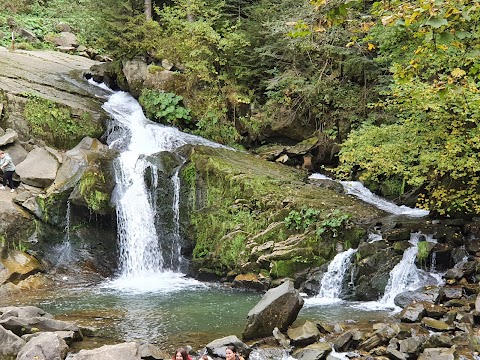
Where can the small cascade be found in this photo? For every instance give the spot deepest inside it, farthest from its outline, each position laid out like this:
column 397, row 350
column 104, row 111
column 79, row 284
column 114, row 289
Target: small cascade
column 332, row 282
column 357, row 189
column 406, row 276
column 176, row 255
column 65, row 249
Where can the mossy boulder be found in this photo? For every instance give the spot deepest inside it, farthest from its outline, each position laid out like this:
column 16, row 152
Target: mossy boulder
column 238, row 201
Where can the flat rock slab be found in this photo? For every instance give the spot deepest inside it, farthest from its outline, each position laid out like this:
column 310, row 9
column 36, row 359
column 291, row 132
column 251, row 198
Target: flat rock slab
column 53, row 75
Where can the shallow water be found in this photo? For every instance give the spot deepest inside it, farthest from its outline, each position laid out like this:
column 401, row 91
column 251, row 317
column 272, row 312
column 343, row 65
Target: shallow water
column 190, row 313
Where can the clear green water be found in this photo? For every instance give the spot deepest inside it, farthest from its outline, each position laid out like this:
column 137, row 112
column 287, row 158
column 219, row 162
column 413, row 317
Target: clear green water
column 171, row 317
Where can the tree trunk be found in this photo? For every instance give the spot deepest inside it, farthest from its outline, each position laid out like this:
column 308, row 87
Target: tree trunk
column 148, row 9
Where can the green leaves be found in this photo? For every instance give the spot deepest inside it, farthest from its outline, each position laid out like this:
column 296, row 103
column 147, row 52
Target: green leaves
column 164, row 107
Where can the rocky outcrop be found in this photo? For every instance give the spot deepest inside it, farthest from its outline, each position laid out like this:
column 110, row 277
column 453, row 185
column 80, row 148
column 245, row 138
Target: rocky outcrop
column 278, row 308
column 39, row 168
column 45, row 346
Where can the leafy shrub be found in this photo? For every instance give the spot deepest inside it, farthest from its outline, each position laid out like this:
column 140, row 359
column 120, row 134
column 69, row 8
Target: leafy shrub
column 164, row 107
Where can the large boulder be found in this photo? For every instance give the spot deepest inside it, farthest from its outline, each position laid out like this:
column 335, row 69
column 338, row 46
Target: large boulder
column 38, row 169
column 279, row 308
column 135, row 72
column 8, row 136
column 10, row 343
column 124, row 351
column 18, row 266
column 48, row 346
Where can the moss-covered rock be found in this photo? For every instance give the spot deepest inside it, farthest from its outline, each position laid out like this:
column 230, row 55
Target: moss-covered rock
column 238, row 202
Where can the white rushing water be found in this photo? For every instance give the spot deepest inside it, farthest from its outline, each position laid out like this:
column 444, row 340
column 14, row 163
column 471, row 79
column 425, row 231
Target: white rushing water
column 331, row 284
column 357, row 189
column 144, row 265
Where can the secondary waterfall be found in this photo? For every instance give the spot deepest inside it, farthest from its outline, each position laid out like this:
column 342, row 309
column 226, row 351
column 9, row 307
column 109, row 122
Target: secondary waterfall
column 143, row 254
column 357, row 189
column 332, row 281
column 406, row 276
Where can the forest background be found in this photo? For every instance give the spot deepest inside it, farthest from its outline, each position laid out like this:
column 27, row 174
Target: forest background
column 395, row 83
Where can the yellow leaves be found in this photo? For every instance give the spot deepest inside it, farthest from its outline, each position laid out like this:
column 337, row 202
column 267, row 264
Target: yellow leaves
column 370, row 47
column 458, row 73
column 387, row 20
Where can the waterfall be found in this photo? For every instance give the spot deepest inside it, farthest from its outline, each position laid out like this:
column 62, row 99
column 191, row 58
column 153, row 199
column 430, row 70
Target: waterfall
column 357, row 189
column 144, row 255
column 65, row 248
column 405, row 275
column 332, row 281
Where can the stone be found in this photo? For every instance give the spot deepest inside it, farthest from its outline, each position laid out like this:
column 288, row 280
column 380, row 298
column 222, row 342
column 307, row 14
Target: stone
column 437, row 354
column 24, row 312
column 62, row 27
column 17, row 266
column 412, row 345
column 341, row 343
column 316, row 351
column 217, row 347
column 413, row 312
column 283, row 340
column 279, row 308
column 38, row 169
column 8, row 137
column 305, row 334
column 381, row 336
column 66, row 39
column 135, row 72
column 27, row 34
column 123, row 351
column 45, row 346
column 435, row 325
column 451, row 292
column 22, row 326
column 251, row 281
column 10, row 343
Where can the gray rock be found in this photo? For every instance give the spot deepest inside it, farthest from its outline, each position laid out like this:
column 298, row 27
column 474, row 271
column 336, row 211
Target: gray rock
column 316, row 351
column 135, row 72
column 279, row 308
column 381, row 336
column 62, row 27
column 283, row 340
column 412, row 345
column 305, row 334
column 10, row 343
column 48, row 346
column 437, row 354
column 38, row 169
column 217, row 347
column 27, row 34
column 8, row 137
column 413, row 312
column 24, row 312
column 436, row 325
column 124, row 351
column 22, row 326
column 66, row 39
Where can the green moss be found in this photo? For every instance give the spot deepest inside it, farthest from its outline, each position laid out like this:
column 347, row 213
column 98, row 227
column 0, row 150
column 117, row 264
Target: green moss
column 56, row 125
column 423, row 251
column 52, row 208
column 92, row 187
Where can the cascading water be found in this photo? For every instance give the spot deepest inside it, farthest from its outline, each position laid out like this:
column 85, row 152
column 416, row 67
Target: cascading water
column 332, row 282
column 142, row 254
column 357, row 189
column 406, row 276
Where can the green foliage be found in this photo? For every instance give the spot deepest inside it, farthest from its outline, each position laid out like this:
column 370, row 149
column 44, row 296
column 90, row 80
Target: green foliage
column 92, row 186
column 55, row 123
column 333, row 222
column 164, row 107
column 301, row 220
column 308, row 218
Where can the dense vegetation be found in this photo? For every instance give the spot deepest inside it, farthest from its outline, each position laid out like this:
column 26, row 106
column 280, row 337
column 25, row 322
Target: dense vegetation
column 395, row 82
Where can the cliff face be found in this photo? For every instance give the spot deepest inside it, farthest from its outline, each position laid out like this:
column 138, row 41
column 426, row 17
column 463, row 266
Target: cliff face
column 50, row 118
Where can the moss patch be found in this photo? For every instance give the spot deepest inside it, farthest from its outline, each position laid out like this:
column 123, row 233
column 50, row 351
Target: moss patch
column 56, row 124
column 234, row 198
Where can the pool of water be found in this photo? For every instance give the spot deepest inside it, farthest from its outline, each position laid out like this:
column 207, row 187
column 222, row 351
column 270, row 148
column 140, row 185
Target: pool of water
column 182, row 312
